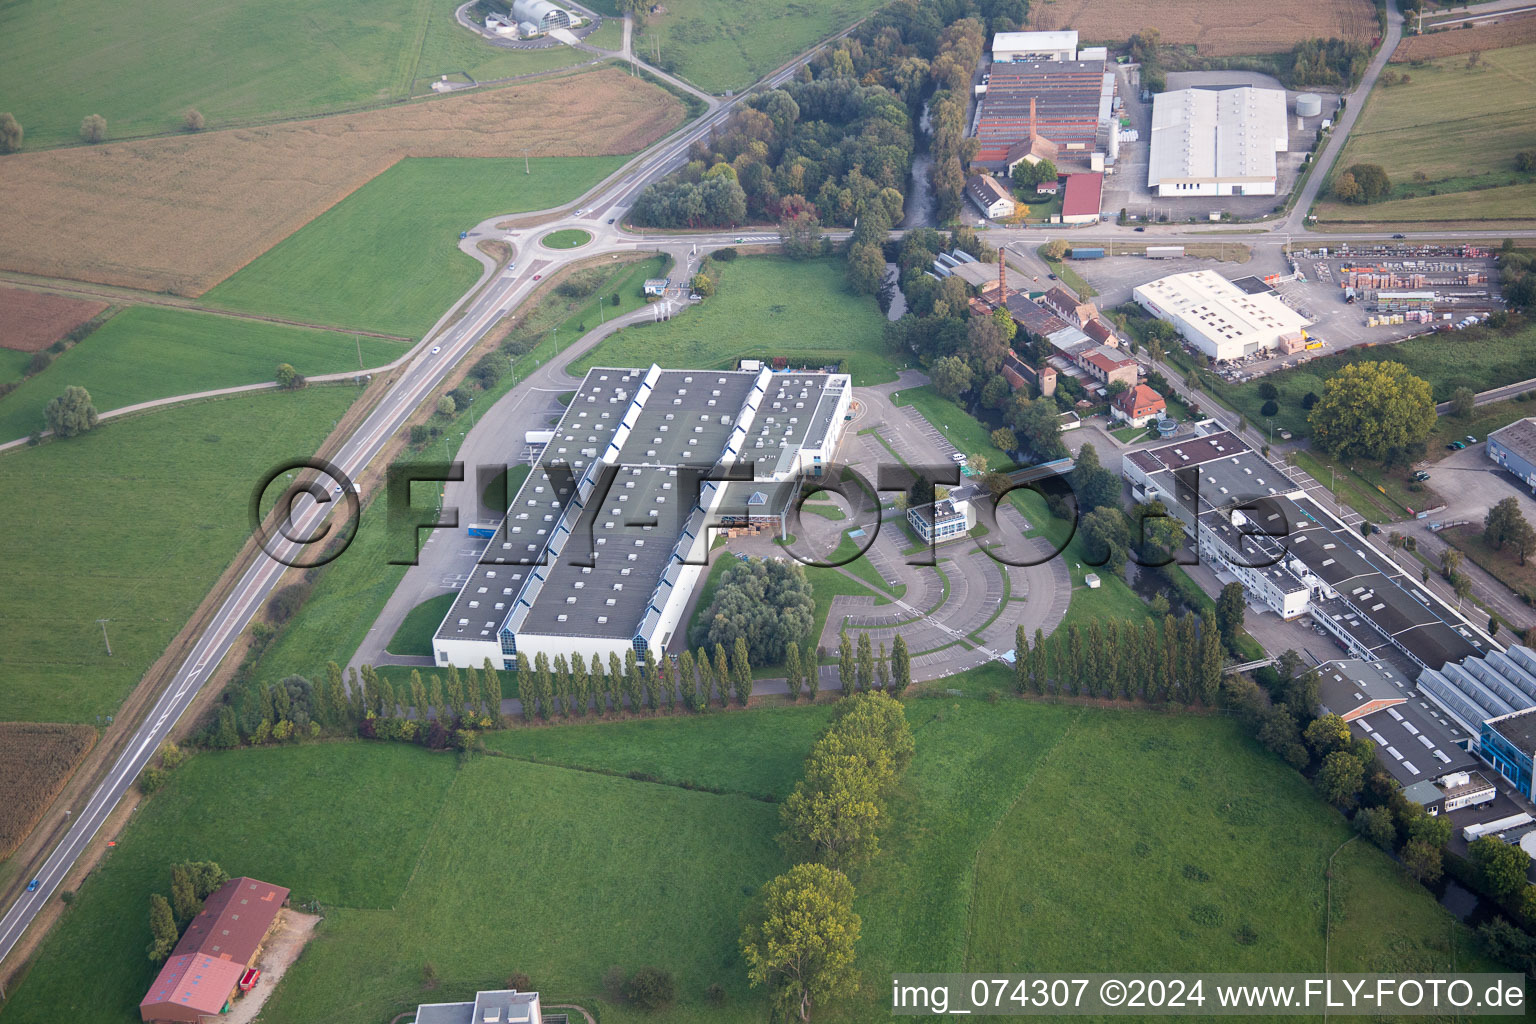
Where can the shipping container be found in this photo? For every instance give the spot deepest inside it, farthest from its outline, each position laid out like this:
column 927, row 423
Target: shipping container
column 1086, row 253
column 1165, row 252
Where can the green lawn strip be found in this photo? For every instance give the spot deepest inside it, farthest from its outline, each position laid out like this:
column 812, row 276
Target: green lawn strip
column 862, row 567
column 1348, row 486
column 343, row 823
column 722, row 46
column 13, row 363
column 382, row 259
column 414, row 637
column 117, row 543
column 149, row 352
column 1202, row 850
column 824, row 510
column 1130, row 435
column 797, row 309
column 1483, row 420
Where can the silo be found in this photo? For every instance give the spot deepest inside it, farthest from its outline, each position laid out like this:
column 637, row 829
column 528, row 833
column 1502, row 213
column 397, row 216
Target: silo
column 1309, row 104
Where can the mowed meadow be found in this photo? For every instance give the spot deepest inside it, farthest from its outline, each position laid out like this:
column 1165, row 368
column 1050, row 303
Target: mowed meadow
column 1216, row 28
column 181, row 214
column 1026, row 835
column 235, row 62
column 150, row 352
column 133, row 523
column 1447, row 138
column 387, row 257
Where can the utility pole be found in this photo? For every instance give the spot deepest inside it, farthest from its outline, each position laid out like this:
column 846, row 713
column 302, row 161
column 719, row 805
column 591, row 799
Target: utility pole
column 103, row 623
column 526, row 169
column 359, row 339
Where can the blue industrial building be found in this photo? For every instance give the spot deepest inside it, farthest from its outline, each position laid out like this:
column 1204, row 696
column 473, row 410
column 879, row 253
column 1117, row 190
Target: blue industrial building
column 1507, row 743
column 1514, row 448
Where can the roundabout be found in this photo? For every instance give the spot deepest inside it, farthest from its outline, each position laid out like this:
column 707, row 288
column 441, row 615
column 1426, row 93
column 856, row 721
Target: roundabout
column 566, row 238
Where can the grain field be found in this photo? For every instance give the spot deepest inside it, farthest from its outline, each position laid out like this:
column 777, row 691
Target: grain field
column 1451, row 41
column 1216, row 28
column 36, row 759
column 31, row 321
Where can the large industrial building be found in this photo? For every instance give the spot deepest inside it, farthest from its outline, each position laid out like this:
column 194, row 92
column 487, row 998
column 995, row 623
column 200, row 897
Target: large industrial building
column 1008, row 47
column 1218, row 317
column 1415, row 742
column 610, row 531
column 1254, row 524
column 199, row 978
column 1216, row 142
column 1061, row 110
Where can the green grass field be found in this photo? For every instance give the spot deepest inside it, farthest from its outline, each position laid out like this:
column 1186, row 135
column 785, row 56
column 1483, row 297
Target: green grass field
column 12, row 363
column 132, row 523
column 570, row 238
column 1025, row 836
column 149, row 352
column 385, row 259
column 1450, row 130
column 236, row 63
column 414, row 637
column 765, row 306
column 721, row 45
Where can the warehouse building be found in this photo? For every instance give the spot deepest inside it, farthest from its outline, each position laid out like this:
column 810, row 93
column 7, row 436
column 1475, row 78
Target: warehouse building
column 1414, row 742
column 1082, row 198
column 1514, row 448
column 1064, row 106
column 1216, row 142
column 610, row 532
column 1252, row 523
column 221, row 943
column 1218, row 317
column 1008, row 47
column 1493, row 685
column 1508, row 743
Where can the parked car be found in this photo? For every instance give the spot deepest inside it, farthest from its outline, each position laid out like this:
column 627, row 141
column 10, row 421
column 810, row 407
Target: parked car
column 1141, row 227
column 1471, row 439
column 1421, row 475
column 1456, row 446
column 610, row 220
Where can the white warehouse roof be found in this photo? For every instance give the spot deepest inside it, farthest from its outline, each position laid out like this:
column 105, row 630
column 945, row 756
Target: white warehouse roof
column 1216, row 135
column 1034, row 42
column 1221, row 319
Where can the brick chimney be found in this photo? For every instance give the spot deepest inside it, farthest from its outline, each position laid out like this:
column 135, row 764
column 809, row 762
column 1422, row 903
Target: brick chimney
column 1002, row 282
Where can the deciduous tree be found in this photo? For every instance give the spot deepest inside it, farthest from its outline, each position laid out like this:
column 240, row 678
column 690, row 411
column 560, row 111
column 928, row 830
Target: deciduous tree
column 800, row 939
column 71, row 413
column 1369, row 408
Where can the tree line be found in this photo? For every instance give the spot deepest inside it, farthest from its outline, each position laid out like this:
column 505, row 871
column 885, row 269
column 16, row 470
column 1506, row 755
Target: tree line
column 799, row 936
column 192, row 882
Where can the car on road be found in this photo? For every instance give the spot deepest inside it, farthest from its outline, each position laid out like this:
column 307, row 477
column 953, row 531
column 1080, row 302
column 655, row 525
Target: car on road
column 1141, row 227
column 1456, row 446
column 436, row 349
column 1051, row 276
column 610, row 220
column 538, row 277
column 32, row 885
column 741, row 239
column 1399, row 236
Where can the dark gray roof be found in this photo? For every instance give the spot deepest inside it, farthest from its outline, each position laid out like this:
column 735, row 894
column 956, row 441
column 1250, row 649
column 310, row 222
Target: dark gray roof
column 1519, row 437
column 1414, row 741
column 1518, row 728
column 637, row 444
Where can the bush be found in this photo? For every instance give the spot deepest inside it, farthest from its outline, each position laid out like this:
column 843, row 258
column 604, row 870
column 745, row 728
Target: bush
column 651, row 989
column 93, row 129
column 574, row 288
column 38, row 363
column 151, row 779
column 286, row 602
column 420, row 433
column 461, row 399
column 1269, row 408
column 488, row 369
column 725, row 255
column 520, row 981
column 193, row 120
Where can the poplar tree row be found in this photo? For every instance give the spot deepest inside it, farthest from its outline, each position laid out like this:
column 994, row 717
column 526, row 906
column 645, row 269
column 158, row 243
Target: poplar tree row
column 573, row 687
column 1179, row 661
column 860, row 669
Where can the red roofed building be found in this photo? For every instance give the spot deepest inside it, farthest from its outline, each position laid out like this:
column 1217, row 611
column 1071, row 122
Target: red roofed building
column 1108, row 366
column 1138, row 405
column 1100, row 331
column 203, row 971
column 1084, row 195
